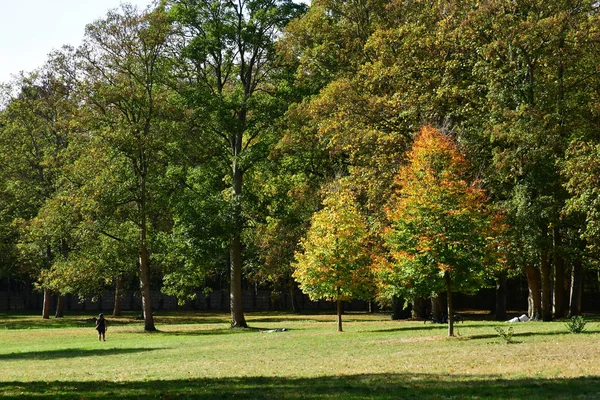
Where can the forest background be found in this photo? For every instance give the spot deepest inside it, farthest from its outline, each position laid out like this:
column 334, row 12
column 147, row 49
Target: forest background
column 264, row 143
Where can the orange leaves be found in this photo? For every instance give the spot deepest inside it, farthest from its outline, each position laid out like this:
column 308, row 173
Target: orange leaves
column 439, row 221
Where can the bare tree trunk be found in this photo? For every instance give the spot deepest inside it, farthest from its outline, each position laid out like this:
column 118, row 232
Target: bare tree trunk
column 60, row 302
column 8, row 294
column 235, row 295
column 118, row 294
column 293, row 302
column 397, row 306
column 46, row 305
column 144, row 260
column 437, row 307
column 145, row 290
column 559, row 277
column 575, row 293
column 545, row 271
column 339, row 315
column 60, row 307
column 47, row 294
column 448, row 280
column 534, row 299
column 419, row 307
column 501, row 298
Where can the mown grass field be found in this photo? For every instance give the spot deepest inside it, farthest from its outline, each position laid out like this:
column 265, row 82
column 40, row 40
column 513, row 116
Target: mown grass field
column 198, row 356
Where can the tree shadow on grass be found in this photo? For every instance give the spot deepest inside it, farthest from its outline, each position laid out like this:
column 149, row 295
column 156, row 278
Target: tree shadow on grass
column 349, row 387
column 413, row 327
column 224, row 331
column 71, row 353
column 517, row 334
column 442, row 327
column 17, row 322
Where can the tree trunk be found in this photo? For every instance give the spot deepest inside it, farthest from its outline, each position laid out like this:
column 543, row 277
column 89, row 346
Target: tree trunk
column 501, row 298
column 397, row 307
column 8, row 294
column 545, row 270
column 448, row 280
column 60, row 307
column 419, row 307
column 575, row 293
column 534, row 299
column 235, row 294
column 118, row 294
column 437, row 307
column 144, row 260
column 293, row 303
column 559, row 277
column 145, row 290
column 60, row 302
column 46, row 305
column 339, row 315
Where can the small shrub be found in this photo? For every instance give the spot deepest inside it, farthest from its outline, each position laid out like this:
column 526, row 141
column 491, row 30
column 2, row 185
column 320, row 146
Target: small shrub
column 576, row 324
column 507, row 335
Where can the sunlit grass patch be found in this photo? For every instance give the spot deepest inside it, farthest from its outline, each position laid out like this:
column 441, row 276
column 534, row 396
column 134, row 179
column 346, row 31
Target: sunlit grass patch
column 199, row 356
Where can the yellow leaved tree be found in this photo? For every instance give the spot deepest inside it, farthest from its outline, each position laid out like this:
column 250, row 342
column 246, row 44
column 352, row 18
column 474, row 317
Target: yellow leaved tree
column 334, row 262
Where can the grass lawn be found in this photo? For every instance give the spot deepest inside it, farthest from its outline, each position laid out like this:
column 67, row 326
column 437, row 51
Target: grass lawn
column 198, row 356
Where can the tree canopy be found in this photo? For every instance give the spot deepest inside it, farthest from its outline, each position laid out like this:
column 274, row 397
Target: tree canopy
column 197, row 142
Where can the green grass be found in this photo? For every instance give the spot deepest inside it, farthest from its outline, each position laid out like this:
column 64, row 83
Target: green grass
column 198, row 356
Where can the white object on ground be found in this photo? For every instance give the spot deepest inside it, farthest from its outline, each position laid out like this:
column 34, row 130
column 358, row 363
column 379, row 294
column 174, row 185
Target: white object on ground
column 522, row 318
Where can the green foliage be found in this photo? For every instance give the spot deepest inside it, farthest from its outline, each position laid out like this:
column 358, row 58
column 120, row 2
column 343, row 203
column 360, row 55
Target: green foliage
column 171, row 131
column 35, row 130
column 439, row 224
column 506, row 335
column 581, row 165
column 576, row 324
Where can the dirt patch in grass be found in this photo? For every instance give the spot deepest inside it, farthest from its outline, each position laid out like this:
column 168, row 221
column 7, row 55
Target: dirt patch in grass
column 416, row 339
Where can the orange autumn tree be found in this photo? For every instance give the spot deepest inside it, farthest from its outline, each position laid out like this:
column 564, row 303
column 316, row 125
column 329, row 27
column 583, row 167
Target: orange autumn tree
column 334, row 261
column 440, row 235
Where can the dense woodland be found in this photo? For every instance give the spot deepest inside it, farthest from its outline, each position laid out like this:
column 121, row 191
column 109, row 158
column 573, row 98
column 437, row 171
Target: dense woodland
column 352, row 149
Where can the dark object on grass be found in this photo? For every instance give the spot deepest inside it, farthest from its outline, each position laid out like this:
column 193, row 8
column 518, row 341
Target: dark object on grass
column 443, row 319
column 101, row 327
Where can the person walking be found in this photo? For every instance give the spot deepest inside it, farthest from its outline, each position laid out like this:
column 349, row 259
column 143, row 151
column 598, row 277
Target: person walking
column 101, row 327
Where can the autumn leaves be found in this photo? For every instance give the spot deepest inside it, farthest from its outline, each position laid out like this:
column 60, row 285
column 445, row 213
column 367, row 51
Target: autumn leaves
column 437, row 237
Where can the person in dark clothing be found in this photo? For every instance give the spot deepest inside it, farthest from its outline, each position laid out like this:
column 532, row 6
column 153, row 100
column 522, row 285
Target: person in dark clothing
column 101, row 327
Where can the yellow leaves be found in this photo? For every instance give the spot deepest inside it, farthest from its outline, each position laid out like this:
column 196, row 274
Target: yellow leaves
column 335, row 251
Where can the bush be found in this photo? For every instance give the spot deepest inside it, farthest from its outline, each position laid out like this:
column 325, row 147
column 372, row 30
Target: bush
column 576, row 324
column 506, row 335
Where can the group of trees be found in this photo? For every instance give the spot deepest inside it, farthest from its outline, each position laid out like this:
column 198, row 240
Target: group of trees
column 362, row 148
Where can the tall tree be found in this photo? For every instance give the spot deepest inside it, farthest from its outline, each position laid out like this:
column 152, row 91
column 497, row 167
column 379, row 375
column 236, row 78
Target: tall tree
column 581, row 168
column 228, row 66
column 123, row 69
column 36, row 126
column 534, row 64
column 439, row 226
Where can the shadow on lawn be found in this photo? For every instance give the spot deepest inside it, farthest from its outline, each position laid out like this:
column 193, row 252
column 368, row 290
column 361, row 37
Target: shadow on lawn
column 70, row 353
column 16, row 322
column 352, row 387
column 223, row 331
column 443, row 327
column 517, row 334
column 416, row 327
